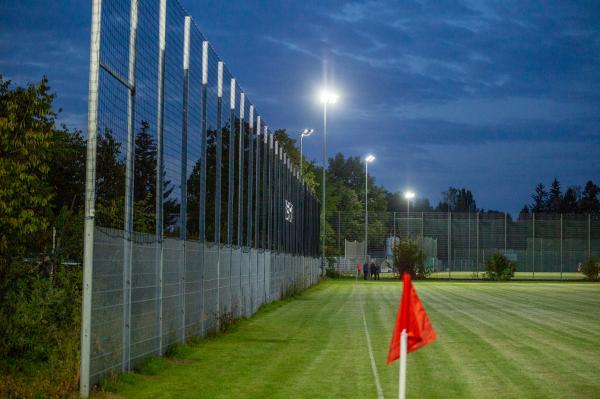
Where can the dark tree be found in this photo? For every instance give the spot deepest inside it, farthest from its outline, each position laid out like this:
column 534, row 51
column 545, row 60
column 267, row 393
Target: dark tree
column 67, row 173
column 110, row 181
column 349, row 172
column 145, row 165
column 569, row 201
column 555, row 197
column 524, row 214
column 540, row 199
column 457, row 200
column 589, row 198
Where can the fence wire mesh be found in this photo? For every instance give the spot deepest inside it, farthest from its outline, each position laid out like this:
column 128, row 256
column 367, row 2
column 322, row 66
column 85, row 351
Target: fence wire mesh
column 457, row 245
column 195, row 216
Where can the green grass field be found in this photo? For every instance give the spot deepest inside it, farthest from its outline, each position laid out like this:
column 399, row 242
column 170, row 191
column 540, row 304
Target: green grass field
column 518, row 275
column 509, row 340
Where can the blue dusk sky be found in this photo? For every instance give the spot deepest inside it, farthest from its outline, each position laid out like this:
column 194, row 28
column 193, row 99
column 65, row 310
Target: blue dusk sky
column 491, row 96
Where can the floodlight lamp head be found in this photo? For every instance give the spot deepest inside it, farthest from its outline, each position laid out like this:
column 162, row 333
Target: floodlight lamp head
column 369, row 158
column 307, row 132
column 409, row 195
column 328, row 97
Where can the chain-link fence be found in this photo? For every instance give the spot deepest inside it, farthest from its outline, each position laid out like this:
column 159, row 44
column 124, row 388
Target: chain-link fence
column 195, row 216
column 457, row 245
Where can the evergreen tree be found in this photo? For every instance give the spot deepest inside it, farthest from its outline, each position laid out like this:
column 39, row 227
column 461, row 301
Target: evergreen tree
column 589, row 199
column 540, row 199
column 569, row 202
column 555, row 197
column 110, row 181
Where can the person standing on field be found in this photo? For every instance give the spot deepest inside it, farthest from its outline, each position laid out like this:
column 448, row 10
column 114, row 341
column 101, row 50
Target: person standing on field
column 373, row 269
column 366, row 270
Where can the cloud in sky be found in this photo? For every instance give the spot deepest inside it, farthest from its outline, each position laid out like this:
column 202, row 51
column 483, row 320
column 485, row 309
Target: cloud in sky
column 494, row 96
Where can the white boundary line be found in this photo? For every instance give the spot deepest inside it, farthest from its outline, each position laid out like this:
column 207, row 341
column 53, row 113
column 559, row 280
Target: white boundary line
column 373, row 366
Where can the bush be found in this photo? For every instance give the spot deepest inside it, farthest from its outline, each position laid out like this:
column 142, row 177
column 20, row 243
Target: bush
column 591, row 269
column 330, row 270
column 499, row 268
column 409, row 258
column 39, row 338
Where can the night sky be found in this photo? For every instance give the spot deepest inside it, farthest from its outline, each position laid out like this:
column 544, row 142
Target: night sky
column 495, row 97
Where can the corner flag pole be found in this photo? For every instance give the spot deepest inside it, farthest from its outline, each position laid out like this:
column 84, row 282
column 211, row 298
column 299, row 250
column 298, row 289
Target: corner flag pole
column 403, row 356
column 411, row 317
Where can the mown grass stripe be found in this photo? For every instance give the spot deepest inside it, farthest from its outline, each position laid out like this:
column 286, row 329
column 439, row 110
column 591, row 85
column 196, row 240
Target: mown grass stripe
column 525, row 340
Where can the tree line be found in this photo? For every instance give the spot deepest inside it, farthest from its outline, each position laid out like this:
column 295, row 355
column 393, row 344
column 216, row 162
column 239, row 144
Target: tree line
column 573, row 200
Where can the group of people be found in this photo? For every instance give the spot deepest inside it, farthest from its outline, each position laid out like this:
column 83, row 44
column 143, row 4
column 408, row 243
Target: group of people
column 371, row 269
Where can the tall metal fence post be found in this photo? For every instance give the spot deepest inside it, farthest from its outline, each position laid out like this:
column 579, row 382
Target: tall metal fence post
column 276, row 200
column 90, row 199
column 251, row 180
column 184, row 150
column 271, row 159
column 469, row 238
column 449, row 244
column 257, row 186
column 265, row 189
column 251, row 176
column 257, row 207
column 589, row 235
column 240, row 207
column 533, row 249
column 202, row 205
column 231, row 175
column 231, row 188
column 129, row 173
column 505, row 231
column 162, row 28
column 241, row 160
column 477, row 245
column 561, row 246
column 270, row 193
column 218, row 187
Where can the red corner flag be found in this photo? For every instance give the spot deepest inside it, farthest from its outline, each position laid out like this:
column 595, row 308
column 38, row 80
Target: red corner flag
column 412, row 318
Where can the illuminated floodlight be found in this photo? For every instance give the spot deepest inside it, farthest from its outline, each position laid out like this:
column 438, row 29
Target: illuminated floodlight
column 328, row 97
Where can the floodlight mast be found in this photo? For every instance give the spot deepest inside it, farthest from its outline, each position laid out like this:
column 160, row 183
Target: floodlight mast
column 368, row 159
column 327, row 97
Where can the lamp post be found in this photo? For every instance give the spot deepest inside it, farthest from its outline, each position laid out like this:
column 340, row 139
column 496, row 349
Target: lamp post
column 368, row 159
column 408, row 195
column 327, row 97
column 305, row 133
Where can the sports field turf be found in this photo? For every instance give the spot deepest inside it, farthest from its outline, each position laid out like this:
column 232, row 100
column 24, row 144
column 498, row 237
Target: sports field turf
column 460, row 275
column 495, row 340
